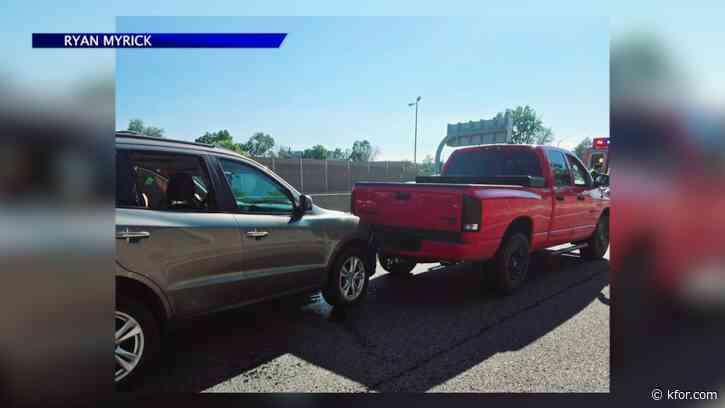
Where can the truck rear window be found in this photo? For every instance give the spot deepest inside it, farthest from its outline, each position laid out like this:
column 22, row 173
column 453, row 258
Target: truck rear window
column 493, row 162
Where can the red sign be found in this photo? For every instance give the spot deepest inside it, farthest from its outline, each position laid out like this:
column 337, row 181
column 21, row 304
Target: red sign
column 600, row 143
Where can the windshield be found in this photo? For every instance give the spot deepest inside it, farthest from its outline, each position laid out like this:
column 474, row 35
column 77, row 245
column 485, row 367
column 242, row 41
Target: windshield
column 493, row 162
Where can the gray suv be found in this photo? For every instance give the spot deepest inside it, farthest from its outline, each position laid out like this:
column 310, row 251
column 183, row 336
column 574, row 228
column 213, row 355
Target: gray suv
column 202, row 229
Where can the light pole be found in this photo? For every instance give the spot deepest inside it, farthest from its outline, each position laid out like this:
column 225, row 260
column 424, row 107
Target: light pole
column 415, row 140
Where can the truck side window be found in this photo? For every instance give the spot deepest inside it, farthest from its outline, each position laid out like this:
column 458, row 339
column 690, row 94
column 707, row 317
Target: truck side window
column 562, row 177
column 581, row 178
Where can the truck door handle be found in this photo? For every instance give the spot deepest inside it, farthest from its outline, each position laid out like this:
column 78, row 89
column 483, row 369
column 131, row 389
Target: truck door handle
column 560, row 197
column 132, row 235
column 257, row 234
column 580, row 197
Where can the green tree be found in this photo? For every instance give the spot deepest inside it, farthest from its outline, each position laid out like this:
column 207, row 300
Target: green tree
column 223, row 139
column 528, row 128
column 216, row 138
column 285, row 152
column 582, row 147
column 137, row 125
column 316, row 152
column 361, row 151
column 260, row 144
column 544, row 137
column 427, row 167
column 339, row 154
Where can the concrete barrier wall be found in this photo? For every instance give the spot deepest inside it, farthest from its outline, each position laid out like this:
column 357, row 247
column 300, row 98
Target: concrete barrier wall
column 312, row 176
column 332, row 201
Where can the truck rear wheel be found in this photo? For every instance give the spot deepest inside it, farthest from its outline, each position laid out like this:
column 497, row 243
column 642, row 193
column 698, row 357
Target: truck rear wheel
column 598, row 243
column 395, row 265
column 512, row 263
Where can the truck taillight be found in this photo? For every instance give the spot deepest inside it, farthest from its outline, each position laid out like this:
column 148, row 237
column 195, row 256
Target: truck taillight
column 471, row 214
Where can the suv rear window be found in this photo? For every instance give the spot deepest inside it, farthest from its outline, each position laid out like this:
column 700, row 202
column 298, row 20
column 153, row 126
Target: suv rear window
column 162, row 181
column 494, row 162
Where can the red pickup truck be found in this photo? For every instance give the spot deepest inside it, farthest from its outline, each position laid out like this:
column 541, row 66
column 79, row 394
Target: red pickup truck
column 499, row 201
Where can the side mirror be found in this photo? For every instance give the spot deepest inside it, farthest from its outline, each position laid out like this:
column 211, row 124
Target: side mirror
column 305, row 204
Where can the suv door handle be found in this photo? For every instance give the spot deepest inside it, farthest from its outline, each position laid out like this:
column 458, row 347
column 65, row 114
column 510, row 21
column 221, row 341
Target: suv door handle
column 580, row 197
column 132, row 235
column 257, row 234
column 560, row 197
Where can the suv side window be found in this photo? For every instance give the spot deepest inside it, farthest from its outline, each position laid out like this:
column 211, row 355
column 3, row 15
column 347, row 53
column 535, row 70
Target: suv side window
column 562, row 177
column 581, row 177
column 254, row 191
column 162, row 181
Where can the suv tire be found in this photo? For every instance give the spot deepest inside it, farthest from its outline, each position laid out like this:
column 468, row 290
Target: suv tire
column 139, row 333
column 347, row 283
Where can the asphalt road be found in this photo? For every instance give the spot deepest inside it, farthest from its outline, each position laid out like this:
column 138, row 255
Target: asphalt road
column 439, row 330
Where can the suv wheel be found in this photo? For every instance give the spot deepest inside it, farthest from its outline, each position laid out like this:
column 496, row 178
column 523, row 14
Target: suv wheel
column 395, row 265
column 136, row 340
column 598, row 242
column 347, row 283
column 512, row 263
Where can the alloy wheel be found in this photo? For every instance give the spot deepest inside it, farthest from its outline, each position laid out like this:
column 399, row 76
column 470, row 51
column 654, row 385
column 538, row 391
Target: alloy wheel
column 352, row 278
column 129, row 344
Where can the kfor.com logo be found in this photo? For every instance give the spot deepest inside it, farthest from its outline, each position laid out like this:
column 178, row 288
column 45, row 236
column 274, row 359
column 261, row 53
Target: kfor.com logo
column 658, row 394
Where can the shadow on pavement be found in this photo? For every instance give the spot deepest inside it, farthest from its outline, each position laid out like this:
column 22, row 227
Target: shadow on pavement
column 403, row 323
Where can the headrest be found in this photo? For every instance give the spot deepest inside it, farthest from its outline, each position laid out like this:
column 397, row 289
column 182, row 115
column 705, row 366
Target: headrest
column 180, row 190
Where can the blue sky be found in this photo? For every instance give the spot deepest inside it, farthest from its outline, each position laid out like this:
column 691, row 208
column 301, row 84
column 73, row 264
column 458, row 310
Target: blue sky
column 337, row 80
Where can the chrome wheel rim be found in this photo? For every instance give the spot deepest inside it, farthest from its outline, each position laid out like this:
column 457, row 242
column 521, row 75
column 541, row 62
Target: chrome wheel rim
column 352, row 278
column 129, row 340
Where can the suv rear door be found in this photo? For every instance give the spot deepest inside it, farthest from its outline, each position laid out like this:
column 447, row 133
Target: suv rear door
column 169, row 228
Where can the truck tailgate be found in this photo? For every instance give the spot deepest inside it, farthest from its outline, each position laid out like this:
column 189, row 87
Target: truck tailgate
column 408, row 205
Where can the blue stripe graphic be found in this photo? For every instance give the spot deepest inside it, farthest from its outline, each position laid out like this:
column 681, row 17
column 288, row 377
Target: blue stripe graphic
column 158, row 40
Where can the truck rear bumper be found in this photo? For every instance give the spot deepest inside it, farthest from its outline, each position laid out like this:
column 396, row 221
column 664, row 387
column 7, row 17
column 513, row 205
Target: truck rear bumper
column 449, row 247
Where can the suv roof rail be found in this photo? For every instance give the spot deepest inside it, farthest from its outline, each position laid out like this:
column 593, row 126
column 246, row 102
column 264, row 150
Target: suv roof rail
column 136, row 135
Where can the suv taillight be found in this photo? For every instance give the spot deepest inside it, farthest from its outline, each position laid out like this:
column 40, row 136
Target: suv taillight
column 471, row 216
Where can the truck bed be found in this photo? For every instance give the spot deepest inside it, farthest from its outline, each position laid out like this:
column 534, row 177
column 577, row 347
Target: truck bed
column 431, row 203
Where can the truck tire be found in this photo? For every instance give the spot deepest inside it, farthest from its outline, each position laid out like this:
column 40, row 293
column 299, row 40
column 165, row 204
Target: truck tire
column 347, row 283
column 137, row 341
column 598, row 243
column 512, row 263
column 396, row 266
